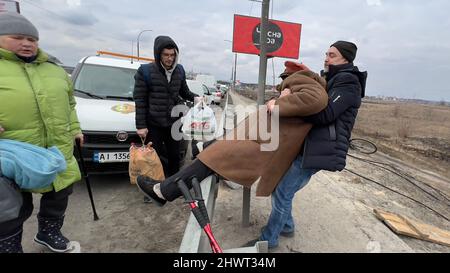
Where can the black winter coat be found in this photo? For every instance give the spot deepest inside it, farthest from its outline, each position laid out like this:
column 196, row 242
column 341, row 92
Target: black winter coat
column 154, row 103
column 327, row 143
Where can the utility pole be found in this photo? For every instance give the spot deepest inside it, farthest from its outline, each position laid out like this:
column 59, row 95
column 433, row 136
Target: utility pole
column 263, row 51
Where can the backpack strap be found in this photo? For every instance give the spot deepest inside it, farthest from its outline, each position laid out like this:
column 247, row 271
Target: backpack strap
column 145, row 68
column 183, row 72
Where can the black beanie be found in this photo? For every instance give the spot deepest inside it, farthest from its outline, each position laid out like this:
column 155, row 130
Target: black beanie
column 347, row 49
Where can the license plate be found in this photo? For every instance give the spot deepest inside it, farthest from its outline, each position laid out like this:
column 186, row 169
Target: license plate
column 111, row 157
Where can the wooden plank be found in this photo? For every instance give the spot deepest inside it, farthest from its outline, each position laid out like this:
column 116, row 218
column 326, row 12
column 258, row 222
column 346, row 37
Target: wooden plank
column 412, row 228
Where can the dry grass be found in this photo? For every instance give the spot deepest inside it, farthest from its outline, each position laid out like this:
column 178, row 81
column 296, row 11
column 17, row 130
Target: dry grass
column 416, row 120
column 414, row 132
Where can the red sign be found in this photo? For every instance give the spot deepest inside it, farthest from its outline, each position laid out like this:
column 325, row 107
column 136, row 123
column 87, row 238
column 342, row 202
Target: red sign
column 283, row 38
column 9, row 5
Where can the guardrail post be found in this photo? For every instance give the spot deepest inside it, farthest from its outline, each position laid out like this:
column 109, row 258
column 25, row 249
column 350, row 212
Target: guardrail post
column 246, row 197
column 246, row 194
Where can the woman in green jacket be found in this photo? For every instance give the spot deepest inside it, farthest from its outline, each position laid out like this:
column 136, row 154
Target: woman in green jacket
column 36, row 106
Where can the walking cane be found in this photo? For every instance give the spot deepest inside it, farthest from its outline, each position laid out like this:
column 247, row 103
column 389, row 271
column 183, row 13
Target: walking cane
column 86, row 178
column 202, row 218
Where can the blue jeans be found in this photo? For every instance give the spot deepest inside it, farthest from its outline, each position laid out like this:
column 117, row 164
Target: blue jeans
column 280, row 218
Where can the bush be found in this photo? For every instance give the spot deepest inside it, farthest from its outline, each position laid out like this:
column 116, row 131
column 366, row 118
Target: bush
column 404, row 128
column 396, row 111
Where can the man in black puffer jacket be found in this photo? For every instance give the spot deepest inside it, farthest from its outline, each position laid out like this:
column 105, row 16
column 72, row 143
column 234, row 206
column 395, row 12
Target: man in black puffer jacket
column 158, row 88
column 327, row 143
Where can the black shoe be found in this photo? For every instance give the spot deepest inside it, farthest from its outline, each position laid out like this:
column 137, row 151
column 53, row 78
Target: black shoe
column 145, row 184
column 12, row 244
column 290, row 234
column 147, row 200
column 50, row 235
column 253, row 243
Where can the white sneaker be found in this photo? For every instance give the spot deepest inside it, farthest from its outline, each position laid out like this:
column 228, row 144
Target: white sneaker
column 199, row 146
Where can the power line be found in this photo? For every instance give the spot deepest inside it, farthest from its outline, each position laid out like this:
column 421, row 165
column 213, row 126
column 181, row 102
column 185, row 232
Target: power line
column 60, row 17
column 366, row 147
column 396, row 171
column 397, row 192
column 42, row 8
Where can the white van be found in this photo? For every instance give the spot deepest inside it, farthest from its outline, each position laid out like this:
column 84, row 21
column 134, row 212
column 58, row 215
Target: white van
column 201, row 90
column 106, row 111
column 208, row 80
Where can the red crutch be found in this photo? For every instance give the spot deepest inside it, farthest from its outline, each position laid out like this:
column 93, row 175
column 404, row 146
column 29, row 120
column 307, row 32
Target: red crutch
column 199, row 211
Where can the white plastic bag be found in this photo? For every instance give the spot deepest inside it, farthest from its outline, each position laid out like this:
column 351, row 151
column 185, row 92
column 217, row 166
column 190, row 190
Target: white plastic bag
column 199, row 122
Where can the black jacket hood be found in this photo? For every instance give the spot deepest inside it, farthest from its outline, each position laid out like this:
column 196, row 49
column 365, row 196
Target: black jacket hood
column 160, row 43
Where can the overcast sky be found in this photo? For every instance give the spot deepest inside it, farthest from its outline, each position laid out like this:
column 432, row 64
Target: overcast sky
column 403, row 44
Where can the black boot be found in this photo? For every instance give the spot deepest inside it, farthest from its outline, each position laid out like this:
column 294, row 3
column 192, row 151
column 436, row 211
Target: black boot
column 50, row 235
column 12, row 244
column 145, row 184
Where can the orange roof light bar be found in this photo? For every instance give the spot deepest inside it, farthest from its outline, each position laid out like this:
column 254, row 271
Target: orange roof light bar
column 124, row 56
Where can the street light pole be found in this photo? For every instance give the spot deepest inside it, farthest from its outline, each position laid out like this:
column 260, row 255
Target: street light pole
column 233, row 85
column 139, row 36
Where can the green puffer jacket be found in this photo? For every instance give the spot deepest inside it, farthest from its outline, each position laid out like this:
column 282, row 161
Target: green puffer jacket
column 37, row 106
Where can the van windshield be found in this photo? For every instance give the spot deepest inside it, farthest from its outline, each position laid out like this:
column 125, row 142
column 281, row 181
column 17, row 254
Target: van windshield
column 194, row 87
column 106, row 81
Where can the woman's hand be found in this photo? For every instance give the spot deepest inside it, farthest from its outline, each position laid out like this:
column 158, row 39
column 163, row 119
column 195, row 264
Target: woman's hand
column 1, row 129
column 285, row 92
column 80, row 137
column 270, row 105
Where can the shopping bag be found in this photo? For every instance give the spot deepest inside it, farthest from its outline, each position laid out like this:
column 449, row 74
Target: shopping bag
column 199, row 122
column 10, row 199
column 144, row 161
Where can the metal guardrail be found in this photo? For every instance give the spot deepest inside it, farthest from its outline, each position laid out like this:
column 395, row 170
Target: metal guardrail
column 194, row 240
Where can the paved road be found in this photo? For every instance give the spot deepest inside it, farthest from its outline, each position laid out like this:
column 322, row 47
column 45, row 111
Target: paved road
column 333, row 214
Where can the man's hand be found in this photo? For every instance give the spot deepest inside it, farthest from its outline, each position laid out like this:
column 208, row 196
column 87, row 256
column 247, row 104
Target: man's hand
column 285, row 92
column 142, row 132
column 270, row 105
column 1, row 129
column 80, row 137
column 198, row 99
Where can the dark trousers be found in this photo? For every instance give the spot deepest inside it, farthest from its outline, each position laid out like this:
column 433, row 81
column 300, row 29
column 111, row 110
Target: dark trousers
column 169, row 188
column 165, row 146
column 53, row 205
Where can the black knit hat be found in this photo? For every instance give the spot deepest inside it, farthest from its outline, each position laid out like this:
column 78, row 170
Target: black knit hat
column 347, row 49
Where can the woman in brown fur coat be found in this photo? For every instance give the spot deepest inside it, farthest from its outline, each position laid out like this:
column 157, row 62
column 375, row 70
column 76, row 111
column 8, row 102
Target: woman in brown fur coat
column 245, row 161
